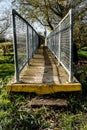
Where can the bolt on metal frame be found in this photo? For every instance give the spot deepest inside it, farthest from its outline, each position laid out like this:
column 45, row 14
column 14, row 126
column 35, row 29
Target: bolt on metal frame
column 26, row 42
column 60, row 42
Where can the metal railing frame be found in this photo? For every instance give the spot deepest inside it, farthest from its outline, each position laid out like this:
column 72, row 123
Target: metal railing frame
column 58, row 56
column 34, row 47
column 36, row 43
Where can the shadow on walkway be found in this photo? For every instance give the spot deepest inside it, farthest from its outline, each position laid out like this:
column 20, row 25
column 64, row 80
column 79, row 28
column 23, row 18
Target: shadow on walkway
column 48, row 69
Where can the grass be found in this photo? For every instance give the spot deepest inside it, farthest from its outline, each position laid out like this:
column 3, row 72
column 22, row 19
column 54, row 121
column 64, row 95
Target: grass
column 6, row 64
column 6, row 69
column 82, row 53
column 16, row 113
column 5, row 44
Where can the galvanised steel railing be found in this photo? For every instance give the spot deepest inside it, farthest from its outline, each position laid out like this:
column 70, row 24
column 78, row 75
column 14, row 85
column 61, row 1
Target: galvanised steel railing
column 60, row 43
column 26, row 42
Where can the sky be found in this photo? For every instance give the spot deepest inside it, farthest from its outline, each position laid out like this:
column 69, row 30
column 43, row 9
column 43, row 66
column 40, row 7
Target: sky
column 5, row 5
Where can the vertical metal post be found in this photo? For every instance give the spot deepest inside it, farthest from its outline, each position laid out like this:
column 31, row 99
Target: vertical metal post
column 59, row 42
column 71, row 44
column 32, row 43
column 45, row 34
column 45, row 41
column 27, row 45
column 15, row 48
column 37, row 42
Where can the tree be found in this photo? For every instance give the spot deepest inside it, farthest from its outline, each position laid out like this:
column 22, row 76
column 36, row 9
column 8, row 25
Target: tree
column 4, row 24
column 47, row 12
column 80, row 24
column 50, row 12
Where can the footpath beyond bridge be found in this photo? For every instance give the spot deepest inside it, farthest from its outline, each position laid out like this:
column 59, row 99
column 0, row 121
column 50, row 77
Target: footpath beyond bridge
column 43, row 69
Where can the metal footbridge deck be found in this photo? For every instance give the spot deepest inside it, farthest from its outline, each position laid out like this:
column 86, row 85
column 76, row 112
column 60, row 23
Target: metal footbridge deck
column 43, row 76
column 39, row 68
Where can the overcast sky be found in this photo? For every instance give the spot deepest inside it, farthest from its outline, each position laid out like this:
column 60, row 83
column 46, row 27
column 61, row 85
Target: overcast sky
column 4, row 5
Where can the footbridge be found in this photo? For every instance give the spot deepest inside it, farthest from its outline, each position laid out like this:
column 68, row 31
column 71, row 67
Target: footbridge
column 43, row 68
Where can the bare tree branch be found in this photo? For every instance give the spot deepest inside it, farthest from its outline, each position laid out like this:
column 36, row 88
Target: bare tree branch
column 4, row 23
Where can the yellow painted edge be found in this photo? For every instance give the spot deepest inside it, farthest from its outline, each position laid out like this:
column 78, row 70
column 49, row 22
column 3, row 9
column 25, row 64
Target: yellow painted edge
column 44, row 88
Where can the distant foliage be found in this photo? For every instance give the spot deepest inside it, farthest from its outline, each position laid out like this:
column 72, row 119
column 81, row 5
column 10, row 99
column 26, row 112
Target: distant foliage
column 6, row 47
column 49, row 12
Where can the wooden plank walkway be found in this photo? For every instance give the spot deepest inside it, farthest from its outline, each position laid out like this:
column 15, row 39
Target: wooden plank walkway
column 43, row 76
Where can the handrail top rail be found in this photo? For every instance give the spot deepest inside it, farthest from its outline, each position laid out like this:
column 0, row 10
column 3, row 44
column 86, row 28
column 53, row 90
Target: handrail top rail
column 70, row 11
column 15, row 12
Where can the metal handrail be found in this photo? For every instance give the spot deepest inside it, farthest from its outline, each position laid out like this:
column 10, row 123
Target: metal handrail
column 60, row 42
column 23, row 48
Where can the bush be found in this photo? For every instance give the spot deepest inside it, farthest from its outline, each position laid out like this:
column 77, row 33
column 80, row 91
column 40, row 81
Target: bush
column 6, row 47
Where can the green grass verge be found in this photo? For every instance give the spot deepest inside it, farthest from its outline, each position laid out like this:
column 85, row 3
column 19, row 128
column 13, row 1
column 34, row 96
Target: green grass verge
column 6, row 69
column 5, row 44
column 82, row 54
column 16, row 112
column 7, row 59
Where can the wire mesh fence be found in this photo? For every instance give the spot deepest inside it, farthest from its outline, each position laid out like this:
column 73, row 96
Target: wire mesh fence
column 21, row 38
column 60, row 43
column 26, row 42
